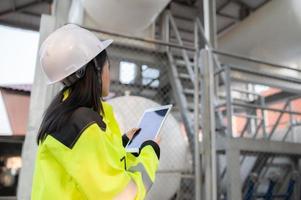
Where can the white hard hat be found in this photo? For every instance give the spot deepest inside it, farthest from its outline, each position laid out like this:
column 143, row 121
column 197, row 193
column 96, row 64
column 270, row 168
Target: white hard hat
column 68, row 49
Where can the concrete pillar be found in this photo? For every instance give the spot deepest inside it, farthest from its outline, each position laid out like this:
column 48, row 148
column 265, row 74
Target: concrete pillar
column 41, row 96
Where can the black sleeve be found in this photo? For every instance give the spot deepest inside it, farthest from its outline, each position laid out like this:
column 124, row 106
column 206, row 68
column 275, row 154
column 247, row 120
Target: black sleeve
column 155, row 146
column 125, row 140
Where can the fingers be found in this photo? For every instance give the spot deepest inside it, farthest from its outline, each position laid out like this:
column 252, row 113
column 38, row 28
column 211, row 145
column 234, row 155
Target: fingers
column 133, row 132
column 137, row 130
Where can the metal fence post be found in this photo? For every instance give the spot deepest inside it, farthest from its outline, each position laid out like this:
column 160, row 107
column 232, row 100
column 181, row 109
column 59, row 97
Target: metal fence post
column 208, row 126
column 233, row 174
column 229, row 103
column 197, row 175
column 292, row 123
column 263, row 117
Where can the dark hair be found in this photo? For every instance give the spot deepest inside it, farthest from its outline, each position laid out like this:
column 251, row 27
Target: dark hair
column 86, row 92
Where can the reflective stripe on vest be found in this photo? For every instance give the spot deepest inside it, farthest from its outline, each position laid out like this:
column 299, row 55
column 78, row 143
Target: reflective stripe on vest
column 145, row 177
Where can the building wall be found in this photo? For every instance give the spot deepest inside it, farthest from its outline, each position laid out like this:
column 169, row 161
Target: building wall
column 5, row 128
column 17, row 108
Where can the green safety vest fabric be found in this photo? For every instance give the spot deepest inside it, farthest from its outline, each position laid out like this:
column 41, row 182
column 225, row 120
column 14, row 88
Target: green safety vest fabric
column 96, row 167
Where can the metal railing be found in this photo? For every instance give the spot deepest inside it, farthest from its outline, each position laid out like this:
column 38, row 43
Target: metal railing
column 223, row 73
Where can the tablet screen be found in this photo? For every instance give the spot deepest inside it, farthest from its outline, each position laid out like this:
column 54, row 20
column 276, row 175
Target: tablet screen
column 150, row 125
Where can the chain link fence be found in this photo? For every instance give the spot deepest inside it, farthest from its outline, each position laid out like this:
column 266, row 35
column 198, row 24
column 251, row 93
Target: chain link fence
column 140, row 79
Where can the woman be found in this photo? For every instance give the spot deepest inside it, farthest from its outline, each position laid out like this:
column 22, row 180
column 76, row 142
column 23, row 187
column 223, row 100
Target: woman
column 81, row 151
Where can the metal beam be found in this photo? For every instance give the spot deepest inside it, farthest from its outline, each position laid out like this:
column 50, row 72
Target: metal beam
column 228, row 16
column 13, row 2
column 241, row 3
column 262, row 4
column 259, row 146
column 265, row 76
column 248, row 105
column 19, row 8
column 256, row 77
column 158, row 42
column 278, row 97
column 254, row 60
column 224, row 5
column 23, row 25
column 31, row 13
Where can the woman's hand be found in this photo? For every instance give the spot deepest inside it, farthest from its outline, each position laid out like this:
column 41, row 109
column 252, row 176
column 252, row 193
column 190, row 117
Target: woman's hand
column 135, row 131
column 132, row 132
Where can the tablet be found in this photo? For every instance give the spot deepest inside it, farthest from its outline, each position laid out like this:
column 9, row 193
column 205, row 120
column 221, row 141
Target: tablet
column 150, row 124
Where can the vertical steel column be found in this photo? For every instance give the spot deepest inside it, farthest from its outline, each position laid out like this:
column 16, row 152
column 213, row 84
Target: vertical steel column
column 208, row 110
column 210, row 22
column 292, row 123
column 138, row 77
column 197, row 171
column 208, row 126
column 165, row 28
column 263, row 116
column 229, row 103
column 253, row 121
column 233, row 174
column 297, row 192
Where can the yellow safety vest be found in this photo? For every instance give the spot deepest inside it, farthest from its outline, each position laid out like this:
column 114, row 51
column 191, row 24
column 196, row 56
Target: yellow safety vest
column 87, row 160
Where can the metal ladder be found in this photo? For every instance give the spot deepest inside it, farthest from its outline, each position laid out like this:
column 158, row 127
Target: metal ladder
column 181, row 76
